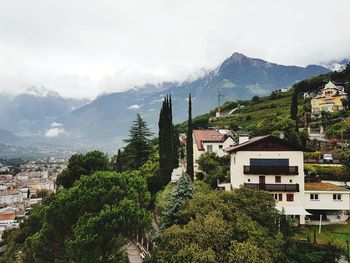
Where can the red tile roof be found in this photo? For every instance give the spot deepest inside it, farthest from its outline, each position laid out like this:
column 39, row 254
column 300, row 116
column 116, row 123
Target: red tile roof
column 8, row 216
column 201, row 136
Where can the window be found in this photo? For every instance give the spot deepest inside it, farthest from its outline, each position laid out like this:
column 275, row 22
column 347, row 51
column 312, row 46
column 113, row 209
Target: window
column 336, row 197
column 248, row 180
column 276, row 197
column 269, row 162
column 314, row 197
column 221, row 147
column 209, row 148
column 280, row 197
column 277, row 179
column 291, row 181
column 290, row 197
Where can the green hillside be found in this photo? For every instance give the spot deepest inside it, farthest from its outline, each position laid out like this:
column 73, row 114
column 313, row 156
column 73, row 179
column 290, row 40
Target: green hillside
column 284, row 112
column 251, row 114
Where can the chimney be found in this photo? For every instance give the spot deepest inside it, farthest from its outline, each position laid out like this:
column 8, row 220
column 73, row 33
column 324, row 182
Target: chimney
column 243, row 138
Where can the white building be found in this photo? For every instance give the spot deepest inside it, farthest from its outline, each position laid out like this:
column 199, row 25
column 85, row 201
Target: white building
column 271, row 164
column 211, row 141
column 328, row 200
column 10, row 197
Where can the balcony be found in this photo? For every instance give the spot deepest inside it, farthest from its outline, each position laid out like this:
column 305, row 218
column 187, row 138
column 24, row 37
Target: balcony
column 271, row 170
column 274, row 187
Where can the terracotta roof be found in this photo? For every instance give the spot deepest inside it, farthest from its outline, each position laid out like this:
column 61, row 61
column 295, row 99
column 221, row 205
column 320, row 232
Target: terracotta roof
column 201, row 136
column 259, row 139
column 9, row 192
column 7, row 216
column 323, row 187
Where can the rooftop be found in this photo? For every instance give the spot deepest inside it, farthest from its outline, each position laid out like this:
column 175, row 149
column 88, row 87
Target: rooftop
column 262, row 139
column 323, row 187
column 201, row 136
column 9, row 216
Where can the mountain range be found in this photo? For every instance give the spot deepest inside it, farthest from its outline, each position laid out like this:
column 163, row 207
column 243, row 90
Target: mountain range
column 105, row 121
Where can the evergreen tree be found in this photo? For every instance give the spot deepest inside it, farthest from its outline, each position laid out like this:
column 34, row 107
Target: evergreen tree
column 139, row 148
column 118, row 162
column 189, row 142
column 165, row 142
column 176, row 147
column 183, row 191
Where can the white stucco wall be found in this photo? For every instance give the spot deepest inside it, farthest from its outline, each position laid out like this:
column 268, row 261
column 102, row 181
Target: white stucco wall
column 325, row 200
column 296, row 158
column 220, row 152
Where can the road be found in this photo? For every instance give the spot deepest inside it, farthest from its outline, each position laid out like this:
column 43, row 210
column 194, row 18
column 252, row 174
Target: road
column 133, row 253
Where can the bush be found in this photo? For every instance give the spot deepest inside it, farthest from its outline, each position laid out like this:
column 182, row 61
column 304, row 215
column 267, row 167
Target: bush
column 311, row 156
column 327, row 172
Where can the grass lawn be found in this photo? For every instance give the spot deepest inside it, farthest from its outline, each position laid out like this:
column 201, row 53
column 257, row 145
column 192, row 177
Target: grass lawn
column 338, row 233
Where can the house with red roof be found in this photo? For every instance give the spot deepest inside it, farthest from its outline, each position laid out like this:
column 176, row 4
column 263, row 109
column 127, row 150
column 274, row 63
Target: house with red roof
column 211, row 141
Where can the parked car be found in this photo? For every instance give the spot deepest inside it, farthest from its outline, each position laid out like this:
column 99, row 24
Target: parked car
column 327, row 158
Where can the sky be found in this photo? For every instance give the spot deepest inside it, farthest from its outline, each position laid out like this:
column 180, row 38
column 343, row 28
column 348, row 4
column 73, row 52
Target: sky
column 83, row 48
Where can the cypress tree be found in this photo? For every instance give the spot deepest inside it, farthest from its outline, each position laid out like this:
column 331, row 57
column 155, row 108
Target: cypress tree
column 118, row 162
column 176, row 146
column 165, row 142
column 189, row 141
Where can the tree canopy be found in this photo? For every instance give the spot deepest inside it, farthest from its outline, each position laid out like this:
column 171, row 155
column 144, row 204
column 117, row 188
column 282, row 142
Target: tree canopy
column 89, row 222
column 82, row 164
column 139, row 148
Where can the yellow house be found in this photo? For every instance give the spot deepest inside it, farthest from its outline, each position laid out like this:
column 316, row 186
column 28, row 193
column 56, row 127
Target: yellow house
column 329, row 99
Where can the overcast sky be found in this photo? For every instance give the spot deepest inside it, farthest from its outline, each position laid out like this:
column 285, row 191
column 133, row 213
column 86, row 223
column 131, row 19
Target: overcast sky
column 82, row 48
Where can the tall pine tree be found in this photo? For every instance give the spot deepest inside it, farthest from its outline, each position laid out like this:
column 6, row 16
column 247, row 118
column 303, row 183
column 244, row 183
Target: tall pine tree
column 166, row 142
column 189, row 141
column 118, row 162
column 138, row 149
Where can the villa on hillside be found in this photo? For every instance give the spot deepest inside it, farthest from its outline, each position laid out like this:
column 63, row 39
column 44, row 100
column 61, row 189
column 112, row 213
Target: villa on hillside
column 329, row 99
column 211, row 141
column 274, row 165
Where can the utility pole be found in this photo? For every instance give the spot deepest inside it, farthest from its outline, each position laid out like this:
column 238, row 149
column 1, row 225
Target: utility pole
column 218, row 113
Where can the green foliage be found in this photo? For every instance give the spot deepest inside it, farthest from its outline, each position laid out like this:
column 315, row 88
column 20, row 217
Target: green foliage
column 256, row 99
column 15, row 238
column 182, row 192
column 138, row 150
column 215, row 168
column 82, row 164
column 189, row 142
column 168, row 143
column 248, row 253
column 210, row 221
column 163, row 198
column 151, row 172
column 339, row 129
column 239, row 226
column 333, row 173
column 89, row 221
column 312, row 156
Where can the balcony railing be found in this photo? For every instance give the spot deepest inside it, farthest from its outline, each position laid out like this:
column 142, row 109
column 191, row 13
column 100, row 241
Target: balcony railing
column 271, row 170
column 274, row 187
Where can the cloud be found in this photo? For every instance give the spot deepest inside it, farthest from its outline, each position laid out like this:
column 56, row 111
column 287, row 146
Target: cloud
column 54, row 132
column 112, row 46
column 134, row 107
column 56, row 124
